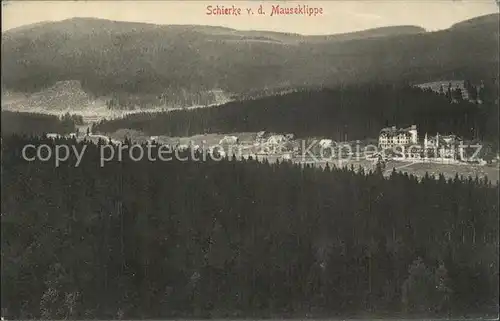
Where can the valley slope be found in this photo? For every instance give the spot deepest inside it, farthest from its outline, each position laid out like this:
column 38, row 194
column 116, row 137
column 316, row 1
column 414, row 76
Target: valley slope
column 137, row 64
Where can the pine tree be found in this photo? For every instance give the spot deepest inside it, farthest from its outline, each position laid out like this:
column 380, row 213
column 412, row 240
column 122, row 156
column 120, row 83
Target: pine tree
column 443, row 290
column 418, row 288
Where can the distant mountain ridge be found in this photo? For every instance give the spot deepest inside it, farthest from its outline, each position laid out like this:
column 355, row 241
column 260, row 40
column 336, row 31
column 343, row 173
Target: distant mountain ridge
column 477, row 21
column 95, row 23
column 147, row 60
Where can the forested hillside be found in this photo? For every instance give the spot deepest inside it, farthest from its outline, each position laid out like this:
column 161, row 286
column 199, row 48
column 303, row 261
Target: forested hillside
column 37, row 124
column 154, row 61
column 222, row 239
column 345, row 113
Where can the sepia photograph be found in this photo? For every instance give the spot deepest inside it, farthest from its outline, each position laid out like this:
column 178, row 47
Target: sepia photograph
column 250, row 160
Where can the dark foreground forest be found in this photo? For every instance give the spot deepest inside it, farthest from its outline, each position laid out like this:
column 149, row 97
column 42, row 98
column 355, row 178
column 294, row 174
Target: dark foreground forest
column 348, row 113
column 249, row 239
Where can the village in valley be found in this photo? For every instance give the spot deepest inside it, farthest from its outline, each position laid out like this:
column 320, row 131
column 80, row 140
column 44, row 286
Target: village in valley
column 400, row 149
column 394, row 148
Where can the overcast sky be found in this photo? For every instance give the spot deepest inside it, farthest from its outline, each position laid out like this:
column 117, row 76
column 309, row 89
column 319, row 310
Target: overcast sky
column 338, row 16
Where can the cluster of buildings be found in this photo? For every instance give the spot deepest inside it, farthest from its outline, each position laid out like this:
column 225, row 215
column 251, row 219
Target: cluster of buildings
column 264, row 144
column 264, row 138
column 59, row 136
column 393, row 143
column 407, row 142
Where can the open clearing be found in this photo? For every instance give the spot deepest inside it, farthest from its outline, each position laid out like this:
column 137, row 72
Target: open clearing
column 247, row 138
column 204, row 139
column 449, row 171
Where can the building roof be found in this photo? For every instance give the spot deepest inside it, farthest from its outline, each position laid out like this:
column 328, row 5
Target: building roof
column 394, row 131
column 452, row 136
column 444, row 140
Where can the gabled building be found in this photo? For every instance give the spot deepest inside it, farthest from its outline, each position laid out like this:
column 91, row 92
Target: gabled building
column 446, row 146
column 390, row 137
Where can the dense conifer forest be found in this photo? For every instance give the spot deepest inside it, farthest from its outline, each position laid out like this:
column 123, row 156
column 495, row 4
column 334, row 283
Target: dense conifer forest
column 348, row 113
column 37, row 124
column 240, row 238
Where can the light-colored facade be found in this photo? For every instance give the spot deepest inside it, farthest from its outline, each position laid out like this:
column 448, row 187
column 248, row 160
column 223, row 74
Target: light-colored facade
column 391, row 136
column 445, row 146
column 404, row 143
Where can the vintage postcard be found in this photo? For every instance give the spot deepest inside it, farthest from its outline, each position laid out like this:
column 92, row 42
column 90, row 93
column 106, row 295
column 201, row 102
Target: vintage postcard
column 250, row 160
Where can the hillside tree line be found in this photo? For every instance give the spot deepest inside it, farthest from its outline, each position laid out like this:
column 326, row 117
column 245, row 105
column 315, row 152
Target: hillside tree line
column 27, row 123
column 343, row 113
